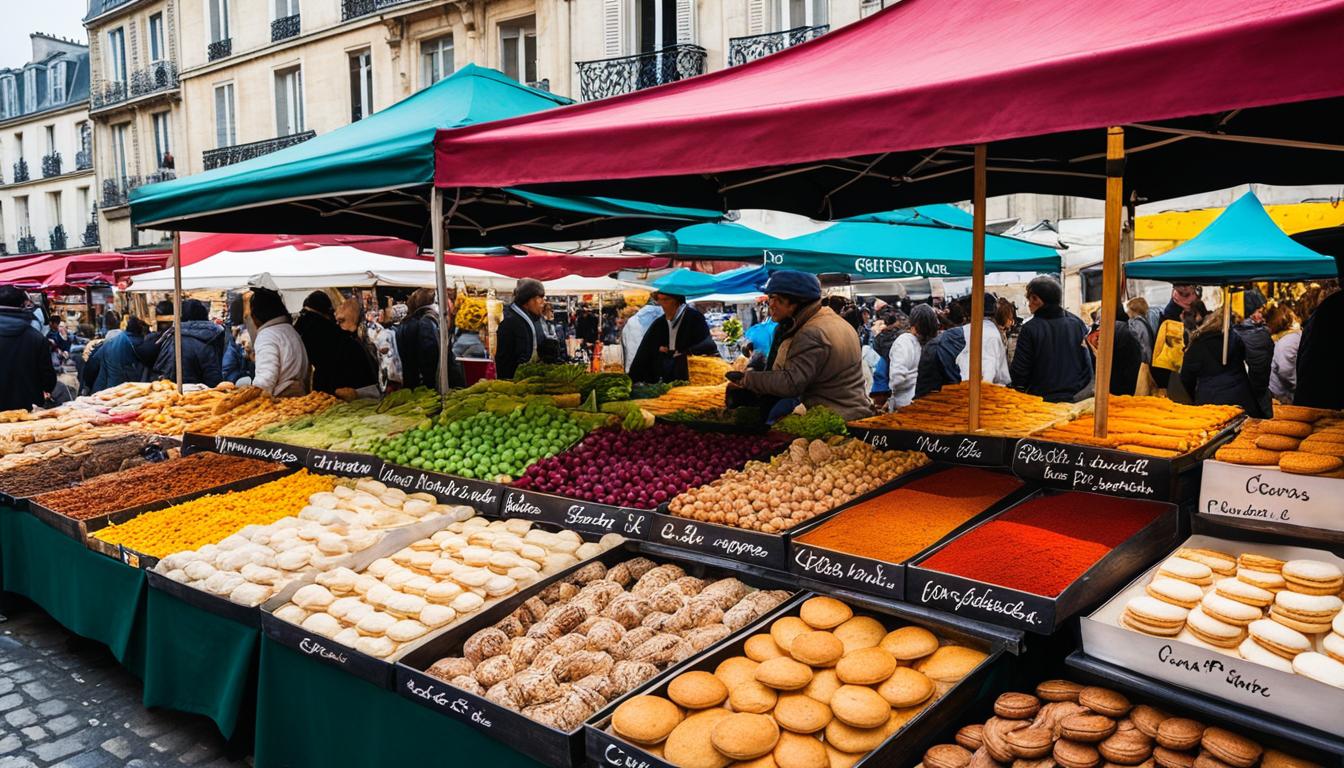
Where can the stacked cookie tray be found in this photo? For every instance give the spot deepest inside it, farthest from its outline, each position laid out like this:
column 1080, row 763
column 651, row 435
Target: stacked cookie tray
column 819, row 683
column 533, row 669
column 1255, row 625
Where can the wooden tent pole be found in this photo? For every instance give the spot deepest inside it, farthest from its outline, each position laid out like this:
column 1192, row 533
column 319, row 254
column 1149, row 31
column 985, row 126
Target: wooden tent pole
column 1227, row 320
column 1110, row 273
column 440, row 282
column 177, row 308
column 977, row 341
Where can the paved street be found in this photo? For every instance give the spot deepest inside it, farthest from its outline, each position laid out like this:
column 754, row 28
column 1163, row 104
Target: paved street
column 65, row 702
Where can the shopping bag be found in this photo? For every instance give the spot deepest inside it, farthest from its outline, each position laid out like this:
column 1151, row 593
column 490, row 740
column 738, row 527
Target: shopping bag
column 1169, row 347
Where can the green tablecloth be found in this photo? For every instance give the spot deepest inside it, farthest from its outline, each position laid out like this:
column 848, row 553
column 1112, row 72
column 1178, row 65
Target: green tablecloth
column 89, row 594
column 196, row 661
column 310, row 714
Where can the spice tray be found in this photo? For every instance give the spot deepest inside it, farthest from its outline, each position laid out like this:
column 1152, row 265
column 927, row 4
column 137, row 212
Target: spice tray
column 831, row 568
column 762, row 550
column 541, row 742
column 374, row 670
column 576, row 514
column 608, row 750
column 1214, row 672
column 266, row 450
column 154, row 449
column 1035, row 613
column 1113, row 472
column 80, row 529
column 954, row 448
column 1267, row 500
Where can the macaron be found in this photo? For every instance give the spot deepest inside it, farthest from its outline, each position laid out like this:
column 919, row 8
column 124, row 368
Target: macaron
column 1263, row 563
column 1176, row 592
column 1333, row 646
column 1269, row 580
column 1278, row 639
column 1313, row 577
column 1151, row 616
column 1186, row 570
column 1258, row 654
column 1310, row 614
column 1320, row 668
column 1337, row 625
column 1219, row 562
column 1242, row 592
column 1213, row 631
column 1229, row 611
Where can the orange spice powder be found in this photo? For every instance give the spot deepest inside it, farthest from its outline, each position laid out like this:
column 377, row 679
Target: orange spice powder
column 896, row 526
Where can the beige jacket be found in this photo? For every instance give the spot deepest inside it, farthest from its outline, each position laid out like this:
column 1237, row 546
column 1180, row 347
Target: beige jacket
column 820, row 363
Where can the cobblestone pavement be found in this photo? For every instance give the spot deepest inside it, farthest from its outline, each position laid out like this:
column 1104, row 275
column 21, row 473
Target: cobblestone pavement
column 65, row 702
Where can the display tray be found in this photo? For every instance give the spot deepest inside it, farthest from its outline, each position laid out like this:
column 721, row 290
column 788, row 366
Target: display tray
column 541, row 742
column 1114, row 472
column 266, row 450
column 951, row 447
column 606, row 749
column 830, row 568
column 577, row 514
column 341, row 463
column 1267, row 500
column 763, row 550
column 1034, row 613
column 481, row 495
column 1212, row 672
column 80, row 529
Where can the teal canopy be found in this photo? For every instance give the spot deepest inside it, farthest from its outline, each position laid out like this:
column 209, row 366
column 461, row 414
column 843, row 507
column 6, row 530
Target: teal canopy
column 692, row 284
column 1241, row 245
column 374, row 175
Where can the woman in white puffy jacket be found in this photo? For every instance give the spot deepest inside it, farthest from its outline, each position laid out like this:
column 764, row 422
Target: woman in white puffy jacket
column 281, row 361
column 903, row 360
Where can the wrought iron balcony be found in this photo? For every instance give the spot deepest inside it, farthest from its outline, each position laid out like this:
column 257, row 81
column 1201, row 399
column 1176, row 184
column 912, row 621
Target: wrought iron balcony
column 159, row 76
column 351, row 9
column 163, row 174
column 285, row 28
column 4, row 248
column 611, row 77
column 219, row 49
column 27, row 242
column 109, row 93
column 57, row 238
column 83, row 160
column 90, row 237
column 744, row 49
column 20, row 171
column 218, row 158
column 51, row 165
column 117, row 191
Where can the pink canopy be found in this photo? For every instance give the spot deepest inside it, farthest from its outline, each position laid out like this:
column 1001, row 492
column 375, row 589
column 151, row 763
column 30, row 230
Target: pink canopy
column 551, row 265
column 198, row 246
column 932, row 74
column 77, row 270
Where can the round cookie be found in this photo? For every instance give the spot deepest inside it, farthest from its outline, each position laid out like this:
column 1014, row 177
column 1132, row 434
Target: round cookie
column 1058, row 690
column 1262, row 563
column 1312, row 577
column 1242, row 592
column 784, row 630
column 1268, row 580
column 860, row 632
column 784, row 674
column 645, row 719
column 797, row 751
column 1104, row 701
column 1320, row 668
column 801, row 714
column 1152, row 616
column 1186, row 570
column 750, row 696
column 735, row 671
column 1217, row 633
column 1231, row 748
column 762, row 648
column 950, row 663
column 697, row 690
column 1219, row 562
column 1179, row 733
column 823, row 686
column 1229, row 611
column 860, row 707
column 1254, row 652
column 866, row 666
column 824, row 612
column 817, row 648
column 906, row 688
column 1274, row 637
column 847, row 738
column 1333, row 646
column 690, row 744
column 909, row 643
column 744, row 736
column 1175, row 591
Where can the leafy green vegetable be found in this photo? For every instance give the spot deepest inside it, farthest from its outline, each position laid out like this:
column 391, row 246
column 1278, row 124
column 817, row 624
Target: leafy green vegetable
column 817, row 423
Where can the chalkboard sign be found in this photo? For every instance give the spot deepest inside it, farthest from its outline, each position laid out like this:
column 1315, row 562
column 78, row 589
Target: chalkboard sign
column 264, row 450
column 575, row 514
column 846, row 571
column 764, row 550
column 481, row 495
column 973, row 450
column 980, row 601
column 343, row 464
column 1097, row 470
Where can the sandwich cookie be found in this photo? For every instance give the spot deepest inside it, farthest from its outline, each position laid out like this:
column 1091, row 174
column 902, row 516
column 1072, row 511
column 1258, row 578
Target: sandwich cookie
column 1220, row 563
column 1242, row 592
column 1151, row 616
column 1229, row 611
column 1309, row 614
column 1313, row 577
column 1177, row 592
column 1262, row 563
column 1271, row 581
column 1278, row 639
column 1258, row 654
column 1213, row 631
column 1186, row 570
column 1320, row 668
column 1333, row 646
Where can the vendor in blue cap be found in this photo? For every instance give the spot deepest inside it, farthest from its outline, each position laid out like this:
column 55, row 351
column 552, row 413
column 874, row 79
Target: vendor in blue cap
column 815, row 358
column 680, row 332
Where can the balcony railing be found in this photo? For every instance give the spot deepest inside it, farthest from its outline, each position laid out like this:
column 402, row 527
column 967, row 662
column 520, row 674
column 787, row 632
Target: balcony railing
column 83, row 160
column 218, row 158
column 285, row 28
column 27, row 242
column 57, row 238
column 109, row 93
column 51, row 165
column 159, row 76
column 219, row 49
column 744, row 49
column 90, row 236
column 20, row 171
column 612, row 77
column 351, row 9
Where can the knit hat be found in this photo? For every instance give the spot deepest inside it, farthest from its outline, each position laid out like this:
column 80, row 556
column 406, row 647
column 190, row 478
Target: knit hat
column 793, row 283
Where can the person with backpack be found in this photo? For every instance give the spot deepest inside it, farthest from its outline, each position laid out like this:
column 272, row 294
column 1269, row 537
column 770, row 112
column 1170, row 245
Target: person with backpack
column 202, row 348
column 417, row 344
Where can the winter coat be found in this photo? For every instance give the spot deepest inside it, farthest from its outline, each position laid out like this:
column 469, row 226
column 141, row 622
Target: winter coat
column 26, row 374
column 993, row 356
column 1052, row 361
column 903, row 369
column 418, row 346
column 1210, row 382
column 236, row 365
column 693, row 338
column 938, row 361
column 1125, row 359
column 202, row 354
column 518, row 339
column 1283, row 371
column 818, row 361
column 338, row 358
column 1144, row 334
column 115, row 362
column 1259, row 359
column 282, row 363
column 1320, row 366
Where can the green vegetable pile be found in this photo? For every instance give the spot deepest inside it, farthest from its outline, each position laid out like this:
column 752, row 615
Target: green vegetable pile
column 817, row 423
column 557, row 379
column 746, row 416
column 356, row 425
column 649, row 390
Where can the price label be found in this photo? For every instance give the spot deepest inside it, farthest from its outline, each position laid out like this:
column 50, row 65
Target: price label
column 481, row 495
column 1266, row 496
column 343, row 464
column 584, row 516
column 976, row 600
column 265, row 450
column 1097, row 470
column 974, row 450
column 860, row 574
column 761, row 549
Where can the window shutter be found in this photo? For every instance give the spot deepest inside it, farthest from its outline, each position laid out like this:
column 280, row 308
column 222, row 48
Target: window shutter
column 756, row 17
column 686, row 26
column 613, row 27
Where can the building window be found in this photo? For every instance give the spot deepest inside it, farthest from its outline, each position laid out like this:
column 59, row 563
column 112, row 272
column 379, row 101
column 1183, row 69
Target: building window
column 30, row 89
column 801, row 13
column 21, row 214
column 361, row 85
column 9, row 96
column 288, row 101
column 219, row 20
column 56, row 83
column 285, row 8
column 116, row 55
column 518, row 49
column 51, row 139
column 121, row 151
column 436, row 60
column 156, row 50
column 163, row 150
column 54, row 209
column 226, row 129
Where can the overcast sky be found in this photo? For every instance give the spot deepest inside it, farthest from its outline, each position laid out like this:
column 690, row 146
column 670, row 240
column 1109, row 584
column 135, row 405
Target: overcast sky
column 22, row 17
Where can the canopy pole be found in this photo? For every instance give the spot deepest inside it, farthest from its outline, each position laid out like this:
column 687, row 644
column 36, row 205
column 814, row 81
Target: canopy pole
column 1227, row 320
column 1110, row 274
column 977, row 289
column 440, row 282
column 177, row 308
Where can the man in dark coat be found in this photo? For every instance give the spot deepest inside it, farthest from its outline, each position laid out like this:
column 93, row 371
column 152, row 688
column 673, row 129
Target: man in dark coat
column 1259, row 347
column 1208, row 379
column 680, row 332
column 338, row 359
column 26, row 374
column 202, row 348
column 418, row 344
column 520, row 337
column 115, row 361
column 1051, row 361
column 1320, row 366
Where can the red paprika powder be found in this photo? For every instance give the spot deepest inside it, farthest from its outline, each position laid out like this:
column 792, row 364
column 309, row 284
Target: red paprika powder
column 1046, row 543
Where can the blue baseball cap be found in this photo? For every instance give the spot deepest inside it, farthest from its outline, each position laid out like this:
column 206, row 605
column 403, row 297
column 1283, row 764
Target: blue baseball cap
column 794, row 283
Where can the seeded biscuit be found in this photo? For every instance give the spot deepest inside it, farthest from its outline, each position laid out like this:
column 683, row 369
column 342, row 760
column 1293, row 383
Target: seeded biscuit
column 1303, row 463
